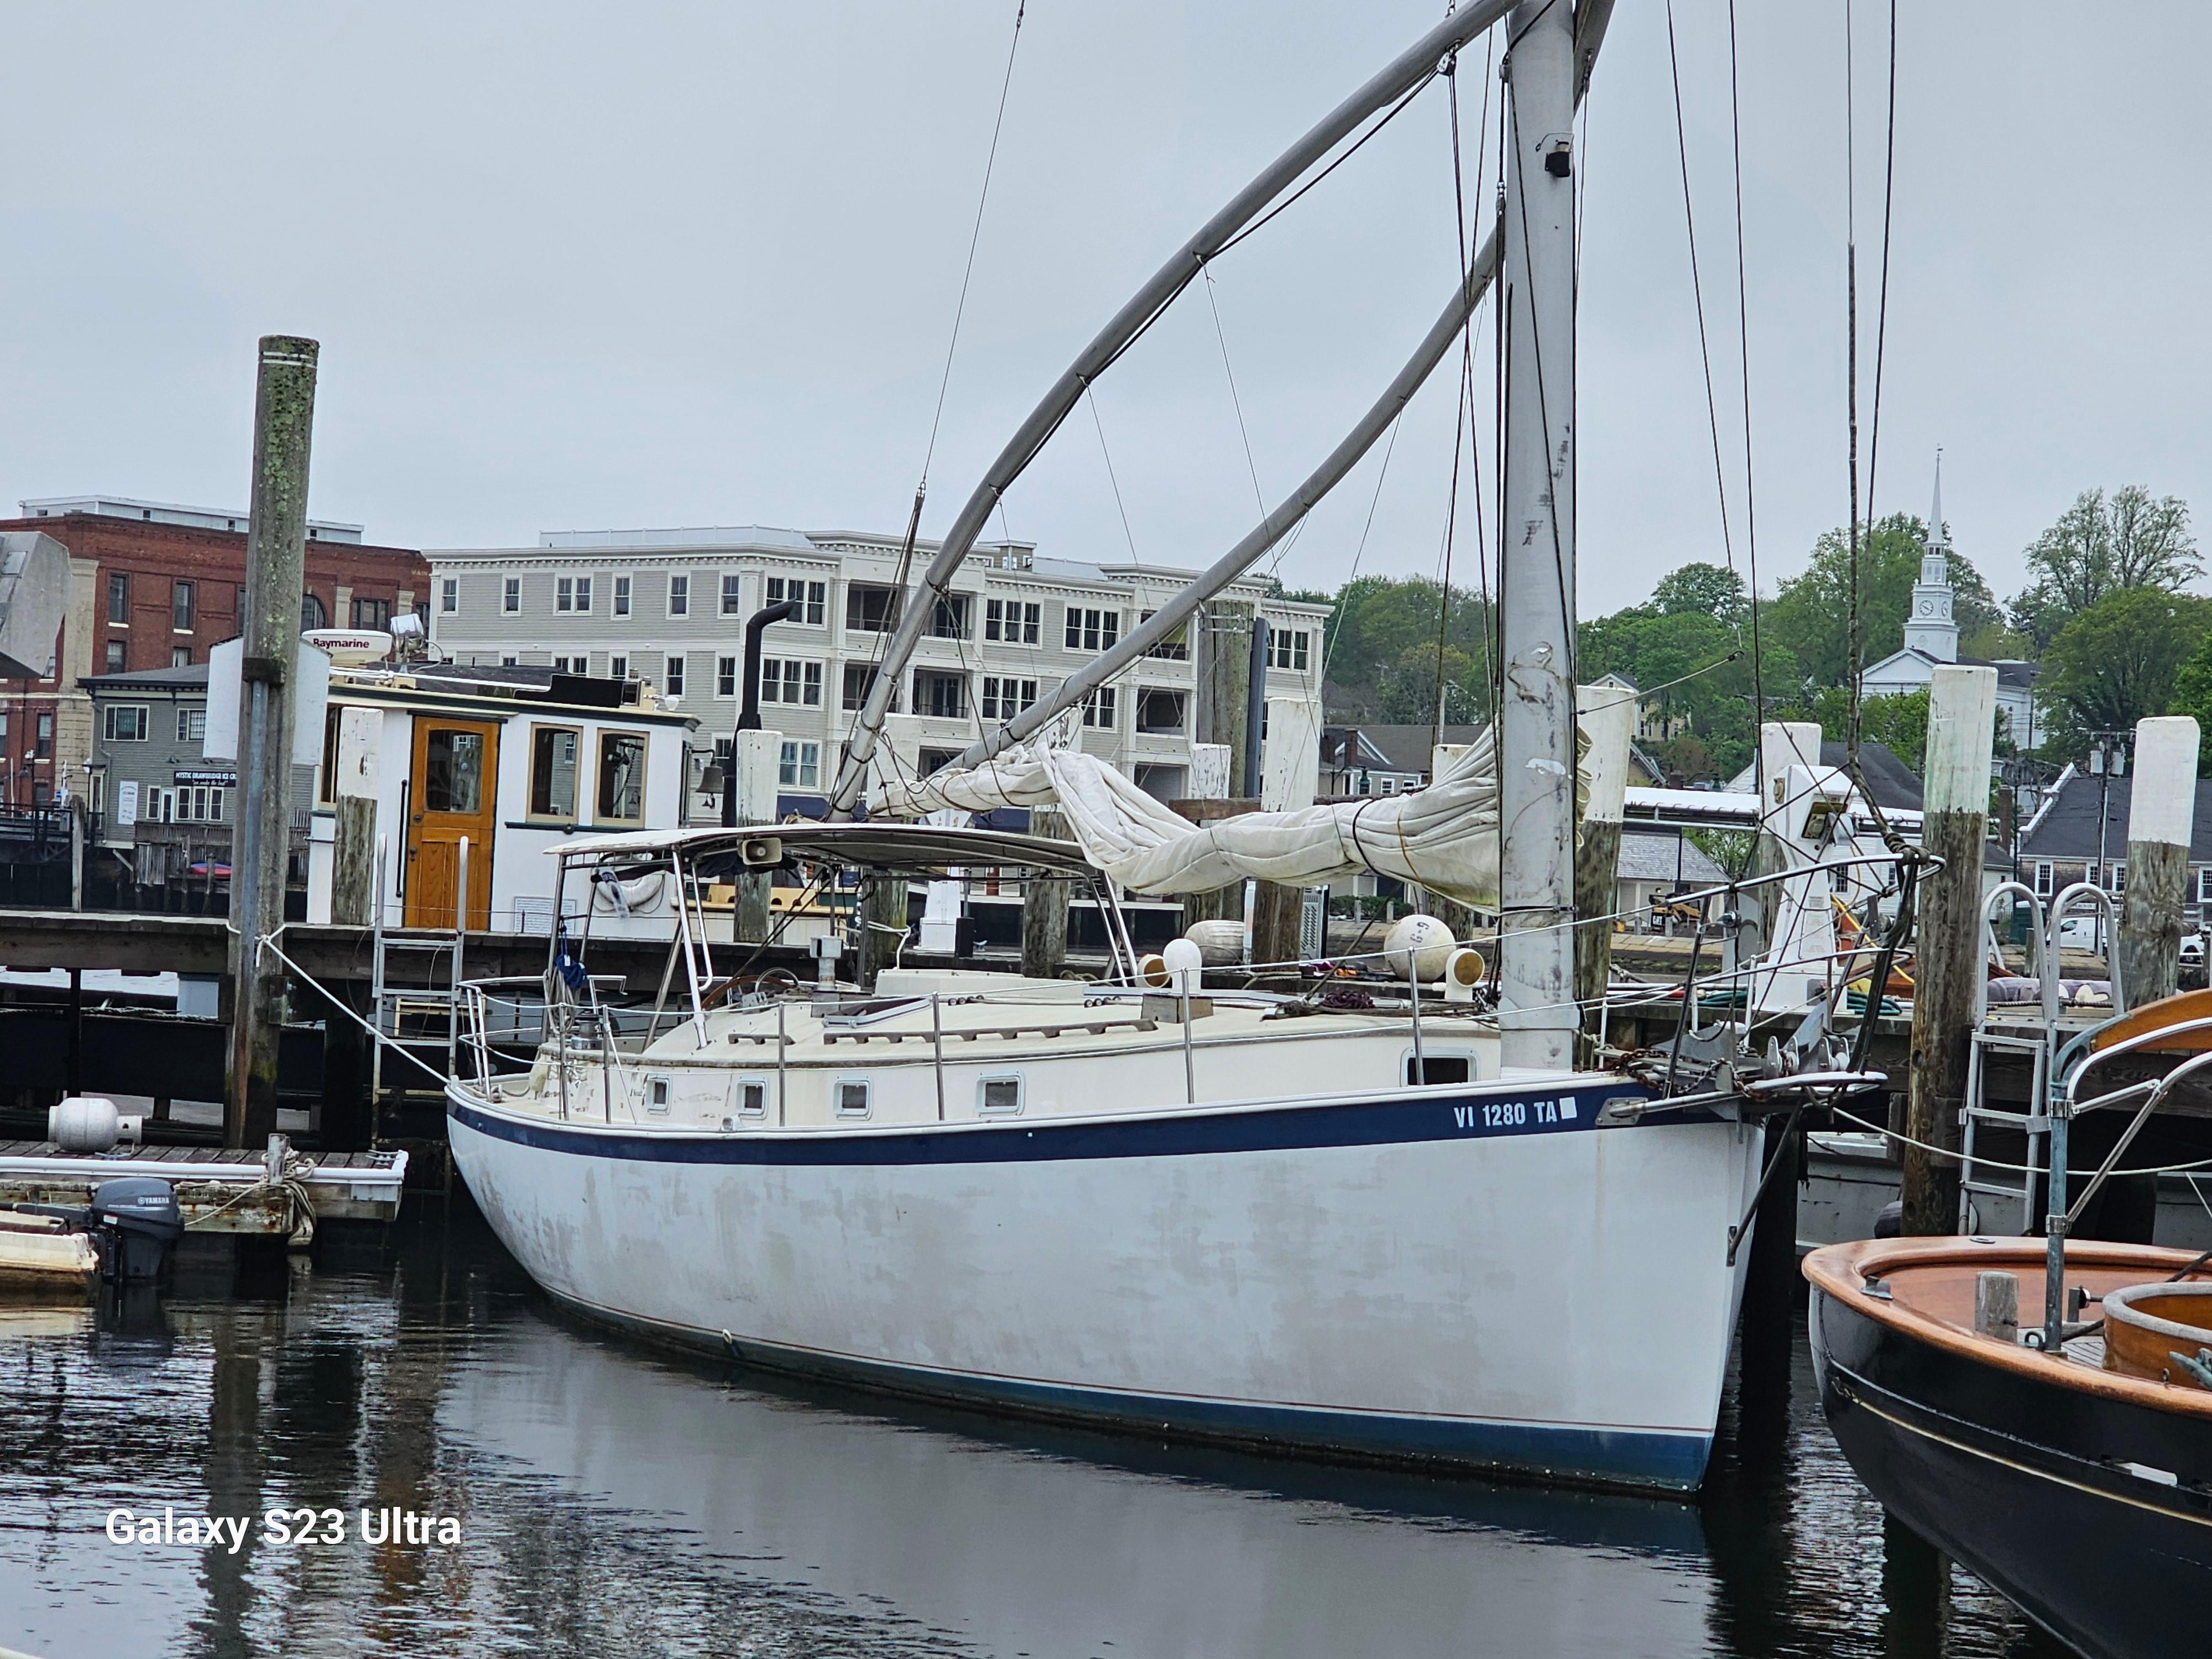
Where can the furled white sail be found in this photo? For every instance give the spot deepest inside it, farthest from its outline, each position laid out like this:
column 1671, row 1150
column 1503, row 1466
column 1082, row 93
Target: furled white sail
column 1444, row 838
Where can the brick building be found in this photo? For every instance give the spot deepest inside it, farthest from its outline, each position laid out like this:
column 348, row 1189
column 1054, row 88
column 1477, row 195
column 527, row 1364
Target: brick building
column 153, row 587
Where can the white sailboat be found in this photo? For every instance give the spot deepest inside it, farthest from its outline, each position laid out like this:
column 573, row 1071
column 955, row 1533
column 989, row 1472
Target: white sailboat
column 1408, row 1230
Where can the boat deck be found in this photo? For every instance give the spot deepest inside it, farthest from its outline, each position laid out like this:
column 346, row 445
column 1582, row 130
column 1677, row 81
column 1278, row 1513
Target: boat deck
column 1926, row 1287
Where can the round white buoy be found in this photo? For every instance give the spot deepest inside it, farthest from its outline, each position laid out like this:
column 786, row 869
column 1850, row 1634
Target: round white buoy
column 84, row 1123
column 1186, row 965
column 1222, row 942
column 1422, row 940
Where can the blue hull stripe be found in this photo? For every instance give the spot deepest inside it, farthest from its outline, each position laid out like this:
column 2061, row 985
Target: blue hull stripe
column 1612, row 1457
column 1431, row 1115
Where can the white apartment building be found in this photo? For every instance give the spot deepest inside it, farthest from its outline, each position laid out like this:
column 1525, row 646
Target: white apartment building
column 670, row 606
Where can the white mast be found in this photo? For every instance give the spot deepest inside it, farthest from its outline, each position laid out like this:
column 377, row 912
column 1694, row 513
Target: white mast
column 1536, row 563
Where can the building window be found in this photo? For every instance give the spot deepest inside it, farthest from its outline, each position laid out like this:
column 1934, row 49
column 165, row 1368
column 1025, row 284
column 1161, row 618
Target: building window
column 554, row 752
column 870, row 609
column 373, row 613
column 2043, row 878
column 2118, row 871
column 799, row 766
column 2204, row 884
column 809, row 597
column 791, row 683
column 733, row 602
column 860, row 682
column 180, row 656
column 680, row 596
column 1159, row 712
column 1003, row 698
column 1093, row 630
column 2089, row 873
column 194, row 803
column 564, row 593
column 1175, row 648
column 449, row 594
column 1011, row 622
column 622, row 595
column 622, row 776
column 942, row 697
column 312, row 614
column 119, row 722
column 510, row 600
column 672, row 680
column 191, row 724
column 180, row 606
column 118, row 599
column 1389, row 784
column 948, row 617
column 618, row 668
column 1288, row 648
column 571, row 664
column 114, row 656
column 725, row 676
column 1098, row 708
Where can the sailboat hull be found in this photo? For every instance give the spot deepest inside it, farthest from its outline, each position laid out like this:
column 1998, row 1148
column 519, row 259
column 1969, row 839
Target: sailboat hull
column 1471, row 1276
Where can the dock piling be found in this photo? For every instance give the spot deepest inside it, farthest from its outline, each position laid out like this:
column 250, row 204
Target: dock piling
column 1961, row 730
column 2161, row 812
column 276, row 569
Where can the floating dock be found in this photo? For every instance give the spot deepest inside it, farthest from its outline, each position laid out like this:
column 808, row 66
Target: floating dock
column 219, row 1191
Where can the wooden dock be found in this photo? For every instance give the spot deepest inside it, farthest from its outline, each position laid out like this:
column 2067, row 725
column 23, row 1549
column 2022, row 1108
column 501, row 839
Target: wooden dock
column 220, row 1191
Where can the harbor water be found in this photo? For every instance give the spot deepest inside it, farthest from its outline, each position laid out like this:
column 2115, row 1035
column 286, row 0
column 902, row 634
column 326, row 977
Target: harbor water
column 529, row 1484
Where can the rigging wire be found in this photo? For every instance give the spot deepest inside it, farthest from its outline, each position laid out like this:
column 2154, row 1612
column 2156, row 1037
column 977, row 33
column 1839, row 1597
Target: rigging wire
column 1336, row 620
column 1235, row 402
column 1882, row 304
column 1382, row 121
column 1852, row 379
column 1743, row 355
column 1697, row 290
column 1463, row 404
column 1128, row 535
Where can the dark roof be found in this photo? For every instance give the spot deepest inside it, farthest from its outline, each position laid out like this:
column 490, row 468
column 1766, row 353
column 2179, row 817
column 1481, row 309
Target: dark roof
column 192, row 677
column 2066, row 827
column 2011, row 671
column 1889, row 778
column 1406, row 748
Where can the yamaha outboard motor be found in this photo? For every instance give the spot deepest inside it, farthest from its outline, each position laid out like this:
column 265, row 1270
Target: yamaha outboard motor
column 138, row 1223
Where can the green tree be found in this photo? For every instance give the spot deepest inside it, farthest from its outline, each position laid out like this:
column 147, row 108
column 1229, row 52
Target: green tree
column 1701, row 590
column 2100, row 546
column 1407, row 688
column 2118, row 660
column 1693, row 671
column 1899, row 724
column 1809, row 615
column 2192, row 695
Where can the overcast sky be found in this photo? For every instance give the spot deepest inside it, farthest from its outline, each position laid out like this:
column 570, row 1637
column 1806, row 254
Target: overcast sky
column 590, row 267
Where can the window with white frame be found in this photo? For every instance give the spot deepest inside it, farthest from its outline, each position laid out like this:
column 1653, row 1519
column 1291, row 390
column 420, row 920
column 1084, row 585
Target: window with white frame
column 124, row 722
column 999, row 1094
column 941, row 695
column 799, row 767
column 570, row 664
column 752, row 1094
column 510, row 596
column 191, row 724
column 679, row 595
column 725, row 676
column 853, row 1096
column 949, row 617
column 1289, row 648
column 793, row 684
column 449, row 594
column 1175, row 648
column 2043, row 878
column 2204, row 884
column 622, row 595
column 870, row 608
column 1006, row 697
column 671, row 680
column 808, row 596
column 734, row 597
column 2117, row 873
column 1012, row 621
column 618, row 667
column 1092, row 630
column 197, row 803
column 564, row 593
column 1098, row 708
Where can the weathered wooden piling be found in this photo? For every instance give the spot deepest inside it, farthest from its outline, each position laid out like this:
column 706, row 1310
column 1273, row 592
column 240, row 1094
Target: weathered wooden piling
column 269, row 626
column 1948, row 939
column 1044, row 907
column 2162, row 818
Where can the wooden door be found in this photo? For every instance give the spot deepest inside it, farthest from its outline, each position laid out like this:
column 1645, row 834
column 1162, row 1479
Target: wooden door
column 453, row 791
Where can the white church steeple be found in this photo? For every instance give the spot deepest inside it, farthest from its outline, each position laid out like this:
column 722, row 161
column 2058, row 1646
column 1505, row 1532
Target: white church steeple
column 1929, row 628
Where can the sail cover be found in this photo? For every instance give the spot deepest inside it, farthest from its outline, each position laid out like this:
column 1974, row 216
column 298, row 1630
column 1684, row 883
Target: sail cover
column 1444, row 837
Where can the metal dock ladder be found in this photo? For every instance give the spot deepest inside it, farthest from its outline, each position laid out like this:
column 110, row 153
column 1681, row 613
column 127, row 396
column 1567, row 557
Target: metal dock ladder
column 411, row 1013
column 2009, row 1184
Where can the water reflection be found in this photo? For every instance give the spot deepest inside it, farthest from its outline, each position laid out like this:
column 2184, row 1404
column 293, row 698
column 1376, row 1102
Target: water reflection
column 612, row 1500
